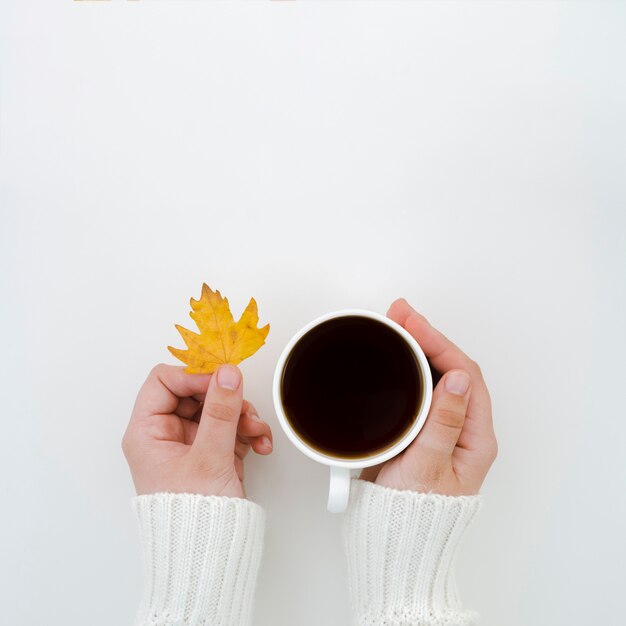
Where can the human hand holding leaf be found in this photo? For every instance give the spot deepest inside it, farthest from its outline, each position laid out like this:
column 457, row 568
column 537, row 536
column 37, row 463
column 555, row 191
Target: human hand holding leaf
column 221, row 339
column 190, row 434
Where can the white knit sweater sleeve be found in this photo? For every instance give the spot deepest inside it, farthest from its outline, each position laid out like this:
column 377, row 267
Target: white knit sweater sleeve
column 401, row 548
column 201, row 557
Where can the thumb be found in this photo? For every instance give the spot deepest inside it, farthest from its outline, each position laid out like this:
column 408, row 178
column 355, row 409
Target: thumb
column 217, row 430
column 446, row 417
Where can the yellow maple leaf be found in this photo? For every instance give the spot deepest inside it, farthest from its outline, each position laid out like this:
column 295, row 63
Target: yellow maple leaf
column 221, row 339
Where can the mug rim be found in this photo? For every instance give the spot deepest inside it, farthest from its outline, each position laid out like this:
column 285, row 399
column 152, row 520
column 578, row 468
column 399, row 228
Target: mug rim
column 388, row 453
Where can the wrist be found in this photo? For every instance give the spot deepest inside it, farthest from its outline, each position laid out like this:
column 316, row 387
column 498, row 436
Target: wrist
column 428, row 477
column 189, row 479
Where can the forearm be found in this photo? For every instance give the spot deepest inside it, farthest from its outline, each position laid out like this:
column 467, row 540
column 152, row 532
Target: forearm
column 201, row 558
column 401, row 547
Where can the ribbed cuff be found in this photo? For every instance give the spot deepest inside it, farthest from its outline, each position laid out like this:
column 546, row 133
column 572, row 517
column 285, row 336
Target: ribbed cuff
column 201, row 559
column 401, row 547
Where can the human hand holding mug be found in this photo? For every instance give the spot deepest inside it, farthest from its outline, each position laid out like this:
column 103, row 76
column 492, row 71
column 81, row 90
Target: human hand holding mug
column 351, row 389
column 457, row 445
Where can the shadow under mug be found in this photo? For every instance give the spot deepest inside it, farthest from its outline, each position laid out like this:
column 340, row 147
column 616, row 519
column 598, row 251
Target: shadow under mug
column 339, row 489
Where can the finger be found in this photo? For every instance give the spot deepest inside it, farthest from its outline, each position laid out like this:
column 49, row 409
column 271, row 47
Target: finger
column 251, row 427
column 190, row 430
column 446, row 417
column 242, row 447
column 441, row 352
column 400, row 310
column 168, row 427
column 187, row 408
column 248, row 407
column 220, row 414
column 444, row 356
column 244, row 406
column 262, row 445
column 163, row 427
column 163, row 388
column 257, row 432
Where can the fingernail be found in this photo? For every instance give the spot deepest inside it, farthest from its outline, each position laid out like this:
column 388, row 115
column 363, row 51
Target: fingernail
column 254, row 416
column 457, row 383
column 266, row 443
column 228, row 377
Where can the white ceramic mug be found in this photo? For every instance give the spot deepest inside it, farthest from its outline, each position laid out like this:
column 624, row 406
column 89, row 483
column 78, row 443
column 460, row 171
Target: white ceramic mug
column 339, row 490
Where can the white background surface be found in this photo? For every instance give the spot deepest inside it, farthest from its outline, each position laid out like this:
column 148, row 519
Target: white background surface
column 469, row 156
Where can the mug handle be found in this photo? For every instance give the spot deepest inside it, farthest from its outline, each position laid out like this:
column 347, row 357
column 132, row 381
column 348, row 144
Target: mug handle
column 339, row 489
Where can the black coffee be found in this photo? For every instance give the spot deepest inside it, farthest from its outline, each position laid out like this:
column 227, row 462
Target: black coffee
column 351, row 387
